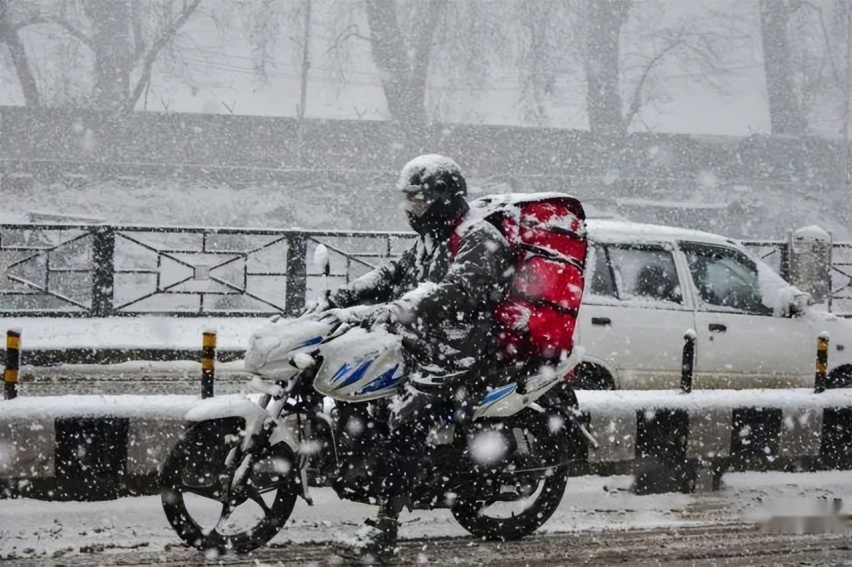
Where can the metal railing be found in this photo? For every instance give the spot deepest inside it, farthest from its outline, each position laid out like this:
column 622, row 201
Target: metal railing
column 105, row 270
column 85, row 270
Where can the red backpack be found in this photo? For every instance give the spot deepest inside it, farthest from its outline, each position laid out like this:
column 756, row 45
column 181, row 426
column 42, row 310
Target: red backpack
column 547, row 237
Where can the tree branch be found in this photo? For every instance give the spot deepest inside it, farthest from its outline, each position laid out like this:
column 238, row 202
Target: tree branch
column 65, row 24
column 159, row 44
column 431, row 13
column 138, row 39
column 636, row 98
column 9, row 26
column 29, row 87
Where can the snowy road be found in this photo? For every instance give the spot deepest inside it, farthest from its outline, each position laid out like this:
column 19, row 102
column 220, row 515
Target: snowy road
column 599, row 523
column 731, row 545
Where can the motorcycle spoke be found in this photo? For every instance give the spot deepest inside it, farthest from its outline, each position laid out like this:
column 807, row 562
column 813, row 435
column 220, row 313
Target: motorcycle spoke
column 203, row 491
column 256, row 498
column 227, row 510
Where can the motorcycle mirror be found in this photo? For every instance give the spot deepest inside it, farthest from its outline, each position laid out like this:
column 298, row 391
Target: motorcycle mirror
column 321, row 262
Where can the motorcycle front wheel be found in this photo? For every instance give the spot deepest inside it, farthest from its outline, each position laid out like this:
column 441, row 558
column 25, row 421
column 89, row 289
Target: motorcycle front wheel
column 194, row 482
column 512, row 506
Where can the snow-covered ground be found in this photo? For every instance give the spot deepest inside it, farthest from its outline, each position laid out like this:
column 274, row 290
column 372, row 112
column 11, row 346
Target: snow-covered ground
column 35, row 529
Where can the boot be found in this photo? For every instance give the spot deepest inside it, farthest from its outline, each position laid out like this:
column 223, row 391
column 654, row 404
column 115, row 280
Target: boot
column 375, row 543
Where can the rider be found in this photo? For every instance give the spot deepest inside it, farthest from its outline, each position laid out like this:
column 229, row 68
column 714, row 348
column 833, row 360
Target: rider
column 443, row 289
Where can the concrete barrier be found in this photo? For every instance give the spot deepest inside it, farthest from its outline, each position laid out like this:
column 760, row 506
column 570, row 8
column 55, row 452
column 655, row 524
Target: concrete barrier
column 102, row 447
column 87, row 447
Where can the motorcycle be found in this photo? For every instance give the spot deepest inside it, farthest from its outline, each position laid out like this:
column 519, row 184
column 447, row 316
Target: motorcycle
column 325, row 388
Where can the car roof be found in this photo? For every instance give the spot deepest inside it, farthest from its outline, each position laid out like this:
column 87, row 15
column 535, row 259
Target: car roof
column 618, row 231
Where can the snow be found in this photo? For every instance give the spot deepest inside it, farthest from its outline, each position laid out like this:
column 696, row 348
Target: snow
column 605, row 230
column 425, row 166
column 800, row 399
column 487, row 447
column 812, row 232
column 31, row 529
column 149, row 407
column 599, row 402
column 144, row 332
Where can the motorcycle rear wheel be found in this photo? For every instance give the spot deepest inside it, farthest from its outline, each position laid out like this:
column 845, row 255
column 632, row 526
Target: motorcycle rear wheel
column 498, row 517
column 191, row 489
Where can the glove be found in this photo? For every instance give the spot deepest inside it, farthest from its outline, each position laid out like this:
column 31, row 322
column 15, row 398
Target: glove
column 384, row 314
column 318, row 306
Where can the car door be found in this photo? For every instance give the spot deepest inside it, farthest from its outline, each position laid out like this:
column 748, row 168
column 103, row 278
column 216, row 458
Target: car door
column 741, row 342
column 634, row 314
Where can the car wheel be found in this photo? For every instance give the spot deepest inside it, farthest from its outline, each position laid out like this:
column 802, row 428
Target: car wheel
column 588, row 376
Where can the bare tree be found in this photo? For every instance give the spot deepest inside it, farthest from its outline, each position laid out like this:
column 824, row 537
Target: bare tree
column 704, row 47
column 546, row 52
column 602, row 23
column 471, row 42
column 402, row 50
column 124, row 39
column 625, row 50
column 785, row 109
column 820, row 48
column 464, row 40
column 12, row 19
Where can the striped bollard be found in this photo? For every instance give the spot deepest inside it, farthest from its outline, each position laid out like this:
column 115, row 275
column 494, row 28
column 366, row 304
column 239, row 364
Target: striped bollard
column 13, row 363
column 208, row 360
column 687, row 368
column 820, row 377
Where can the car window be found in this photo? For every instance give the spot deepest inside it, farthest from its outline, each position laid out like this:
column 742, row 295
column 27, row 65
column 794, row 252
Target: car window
column 725, row 277
column 645, row 273
column 602, row 281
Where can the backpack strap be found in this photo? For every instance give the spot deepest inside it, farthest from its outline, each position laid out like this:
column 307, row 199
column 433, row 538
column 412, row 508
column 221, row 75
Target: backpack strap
column 458, row 233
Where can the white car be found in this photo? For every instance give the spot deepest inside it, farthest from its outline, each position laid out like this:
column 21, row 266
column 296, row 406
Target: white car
column 646, row 285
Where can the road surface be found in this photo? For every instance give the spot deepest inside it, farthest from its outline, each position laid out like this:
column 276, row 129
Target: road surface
column 694, row 546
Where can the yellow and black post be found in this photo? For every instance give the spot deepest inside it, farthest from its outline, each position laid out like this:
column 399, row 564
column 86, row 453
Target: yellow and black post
column 208, row 360
column 687, row 367
column 13, row 363
column 820, row 377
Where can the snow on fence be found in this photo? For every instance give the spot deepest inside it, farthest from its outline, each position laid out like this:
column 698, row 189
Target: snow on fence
column 103, row 447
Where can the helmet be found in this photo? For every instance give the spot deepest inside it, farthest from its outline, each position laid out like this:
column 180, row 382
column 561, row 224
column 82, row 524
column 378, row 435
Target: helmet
column 434, row 190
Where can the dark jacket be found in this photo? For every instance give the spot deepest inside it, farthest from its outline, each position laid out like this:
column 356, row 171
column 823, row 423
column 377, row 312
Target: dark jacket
column 447, row 302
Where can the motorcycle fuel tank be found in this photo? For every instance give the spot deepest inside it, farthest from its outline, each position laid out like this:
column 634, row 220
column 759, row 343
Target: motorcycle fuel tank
column 361, row 365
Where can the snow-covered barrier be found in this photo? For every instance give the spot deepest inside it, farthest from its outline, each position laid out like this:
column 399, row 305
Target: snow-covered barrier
column 682, row 442
column 87, row 447
column 102, row 447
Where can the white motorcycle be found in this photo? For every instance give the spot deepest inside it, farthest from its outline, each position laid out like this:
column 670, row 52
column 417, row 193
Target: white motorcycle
column 326, row 386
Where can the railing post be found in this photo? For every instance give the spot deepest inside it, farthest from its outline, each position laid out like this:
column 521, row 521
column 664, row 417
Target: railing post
column 208, row 361
column 13, row 363
column 784, row 264
column 297, row 275
column 820, row 377
column 687, row 369
column 103, row 270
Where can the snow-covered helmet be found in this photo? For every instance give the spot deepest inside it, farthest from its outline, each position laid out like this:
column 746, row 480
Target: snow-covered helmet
column 434, row 190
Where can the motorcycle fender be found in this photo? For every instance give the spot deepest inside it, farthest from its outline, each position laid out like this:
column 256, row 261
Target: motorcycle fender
column 240, row 406
column 227, row 406
column 283, row 434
